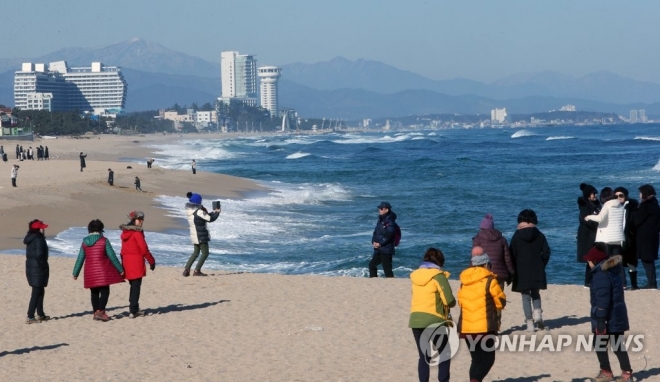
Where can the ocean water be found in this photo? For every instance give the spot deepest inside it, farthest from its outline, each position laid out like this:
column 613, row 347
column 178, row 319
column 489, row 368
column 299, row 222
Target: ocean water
column 320, row 211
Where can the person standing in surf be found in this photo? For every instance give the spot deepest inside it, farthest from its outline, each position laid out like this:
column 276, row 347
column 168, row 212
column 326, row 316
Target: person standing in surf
column 198, row 216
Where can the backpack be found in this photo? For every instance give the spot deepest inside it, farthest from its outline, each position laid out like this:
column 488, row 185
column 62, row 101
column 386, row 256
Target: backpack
column 397, row 235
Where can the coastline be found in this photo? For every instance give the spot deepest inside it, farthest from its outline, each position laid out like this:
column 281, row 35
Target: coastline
column 56, row 192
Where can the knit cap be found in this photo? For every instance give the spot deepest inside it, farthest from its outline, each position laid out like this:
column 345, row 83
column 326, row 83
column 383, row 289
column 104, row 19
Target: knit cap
column 487, row 222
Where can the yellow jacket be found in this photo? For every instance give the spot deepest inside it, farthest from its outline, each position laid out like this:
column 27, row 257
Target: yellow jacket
column 431, row 297
column 481, row 299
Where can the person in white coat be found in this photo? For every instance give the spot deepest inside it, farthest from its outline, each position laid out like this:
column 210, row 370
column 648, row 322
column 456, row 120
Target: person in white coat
column 610, row 222
column 14, row 175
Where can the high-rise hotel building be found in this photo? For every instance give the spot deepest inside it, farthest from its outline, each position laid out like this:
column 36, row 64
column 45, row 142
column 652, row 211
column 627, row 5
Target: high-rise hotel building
column 98, row 89
column 269, row 76
column 239, row 77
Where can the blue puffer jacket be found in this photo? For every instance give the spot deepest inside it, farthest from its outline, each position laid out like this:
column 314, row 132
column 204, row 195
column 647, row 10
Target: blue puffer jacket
column 384, row 233
column 607, row 301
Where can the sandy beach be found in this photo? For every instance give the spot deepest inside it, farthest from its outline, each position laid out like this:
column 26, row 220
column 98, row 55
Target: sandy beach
column 236, row 326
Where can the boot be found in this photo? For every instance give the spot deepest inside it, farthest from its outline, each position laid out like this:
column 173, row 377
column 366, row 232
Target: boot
column 530, row 325
column 604, row 376
column 633, row 281
column 538, row 319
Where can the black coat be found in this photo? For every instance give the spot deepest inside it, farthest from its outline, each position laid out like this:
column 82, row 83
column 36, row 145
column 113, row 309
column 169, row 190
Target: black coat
column 82, row 161
column 647, row 225
column 384, row 233
column 530, row 252
column 586, row 234
column 630, row 243
column 36, row 262
column 607, row 301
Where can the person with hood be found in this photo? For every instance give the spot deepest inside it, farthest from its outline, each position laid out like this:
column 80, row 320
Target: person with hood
column 36, row 269
column 497, row 248
column 609, row 315
column 382, row 241
column 134, row 252
column 586, row 235
column 82, row 161
column 102, row 268
column 198, row 217
column 481, row 300
column 629, row 250
column 647, row 226
column 531, row 253
column 430, row 304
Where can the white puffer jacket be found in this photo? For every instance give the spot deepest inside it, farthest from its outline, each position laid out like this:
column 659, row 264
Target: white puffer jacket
column 610, row 223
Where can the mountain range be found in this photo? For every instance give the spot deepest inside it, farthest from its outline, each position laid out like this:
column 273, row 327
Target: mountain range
column 158, row 77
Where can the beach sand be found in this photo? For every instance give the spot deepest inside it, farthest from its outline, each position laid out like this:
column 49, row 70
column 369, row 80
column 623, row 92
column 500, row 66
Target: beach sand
column 236, row 326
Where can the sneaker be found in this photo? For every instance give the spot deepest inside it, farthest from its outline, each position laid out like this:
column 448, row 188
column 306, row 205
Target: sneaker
column 626, row 376
column 604, row 376
column 139, row 313
column 199, row 273
column 42, row 318
column 186, row 272
column 32, row 321
column 101, row 316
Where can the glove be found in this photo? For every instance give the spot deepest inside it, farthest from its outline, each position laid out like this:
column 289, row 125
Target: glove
column 601, row 326
column 152, row 266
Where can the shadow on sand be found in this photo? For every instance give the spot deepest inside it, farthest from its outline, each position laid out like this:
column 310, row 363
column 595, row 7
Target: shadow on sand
column 34, row 348
column 173, row 308
column 553, row 323
column 87, row 313
column 524, row 379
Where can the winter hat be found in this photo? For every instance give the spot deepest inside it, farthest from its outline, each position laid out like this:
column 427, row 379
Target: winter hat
column 133, row 215
column 587, row 190
column 487, row 222
column 480, row 260
column 595, row 255
column 385, row 205
column 196, row 199
column 622, row 190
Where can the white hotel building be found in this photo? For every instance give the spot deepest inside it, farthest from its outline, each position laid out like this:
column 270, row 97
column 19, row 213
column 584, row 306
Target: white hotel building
column 269, row 76
column 98, row 89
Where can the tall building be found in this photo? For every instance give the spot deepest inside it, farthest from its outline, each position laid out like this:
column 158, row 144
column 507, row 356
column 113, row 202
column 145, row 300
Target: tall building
column 239, row 77
column 498, row 115
column 269, row 76
column 633, row 116
column 98, row 89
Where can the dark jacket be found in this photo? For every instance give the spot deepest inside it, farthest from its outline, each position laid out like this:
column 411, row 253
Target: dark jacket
column 586, row 234
column 495, row 245
column 384, row 233
column 630, row 234
column 607, row 301
column 530, row 253
column 111, row 176
column 647, row 224
column 82, row 161
column 36, row 259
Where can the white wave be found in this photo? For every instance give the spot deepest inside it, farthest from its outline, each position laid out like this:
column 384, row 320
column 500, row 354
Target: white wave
column 646, row 138
column 657, row 166
column 297, row 155
column 418, row 138
column 431, row 134
column 559, row 137
column 522, row 133
column 370, row 139
column 179, row 156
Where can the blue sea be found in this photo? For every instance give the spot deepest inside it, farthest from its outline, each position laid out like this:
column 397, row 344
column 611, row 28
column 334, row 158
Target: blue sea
column 320, row 212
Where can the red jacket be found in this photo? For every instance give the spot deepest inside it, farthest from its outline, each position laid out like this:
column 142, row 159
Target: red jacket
column 134, row 251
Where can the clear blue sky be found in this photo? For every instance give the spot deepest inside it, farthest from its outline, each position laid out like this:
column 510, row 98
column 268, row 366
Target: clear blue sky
column 482, row 40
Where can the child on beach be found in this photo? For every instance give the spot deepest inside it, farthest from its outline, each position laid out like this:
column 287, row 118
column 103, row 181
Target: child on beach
column 431, row 301
column 609, row 315
column 134, row 251
column 102, row 268
column 36, row 269
column 481, row 300
column 531, row 253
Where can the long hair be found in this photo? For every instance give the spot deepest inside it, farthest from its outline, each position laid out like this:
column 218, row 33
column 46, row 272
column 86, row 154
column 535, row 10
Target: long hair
column 434, row 256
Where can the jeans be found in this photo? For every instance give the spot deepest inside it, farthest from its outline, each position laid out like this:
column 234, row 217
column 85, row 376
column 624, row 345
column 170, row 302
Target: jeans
column 530, row 298
column 204, row 248
column 441, row 344
column 37, row 302
column 134, row 295
column 600, row 345
column 482, row 359
column 377, row 259
column 100, row 297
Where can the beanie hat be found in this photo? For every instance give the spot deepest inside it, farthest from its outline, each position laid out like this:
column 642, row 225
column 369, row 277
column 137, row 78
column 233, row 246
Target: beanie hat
column 196, row 199
column 595, row 255
column 487, row 222
column 587, row 190
column 622, row 190
column 480, row 260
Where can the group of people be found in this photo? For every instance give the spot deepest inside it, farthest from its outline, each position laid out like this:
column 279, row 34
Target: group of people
column 21, row 154
column 101, row 266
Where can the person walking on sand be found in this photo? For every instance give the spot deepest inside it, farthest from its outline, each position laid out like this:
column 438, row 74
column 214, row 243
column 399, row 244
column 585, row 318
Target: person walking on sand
column 198, row 217
column 194, row 167
column 588, row 204
column 82, row 161
column 430, row 304
column 497, row 248
column 18, row 152
column 14, row 174
column 481, row 300
column 137, row 184
column 102, row 268
column 134, row 252
column 647, row 225
column 382, row 240
column 46, row 156
column 36, row 270
column 111, row 177
column 609, row 315
column 531, row 253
